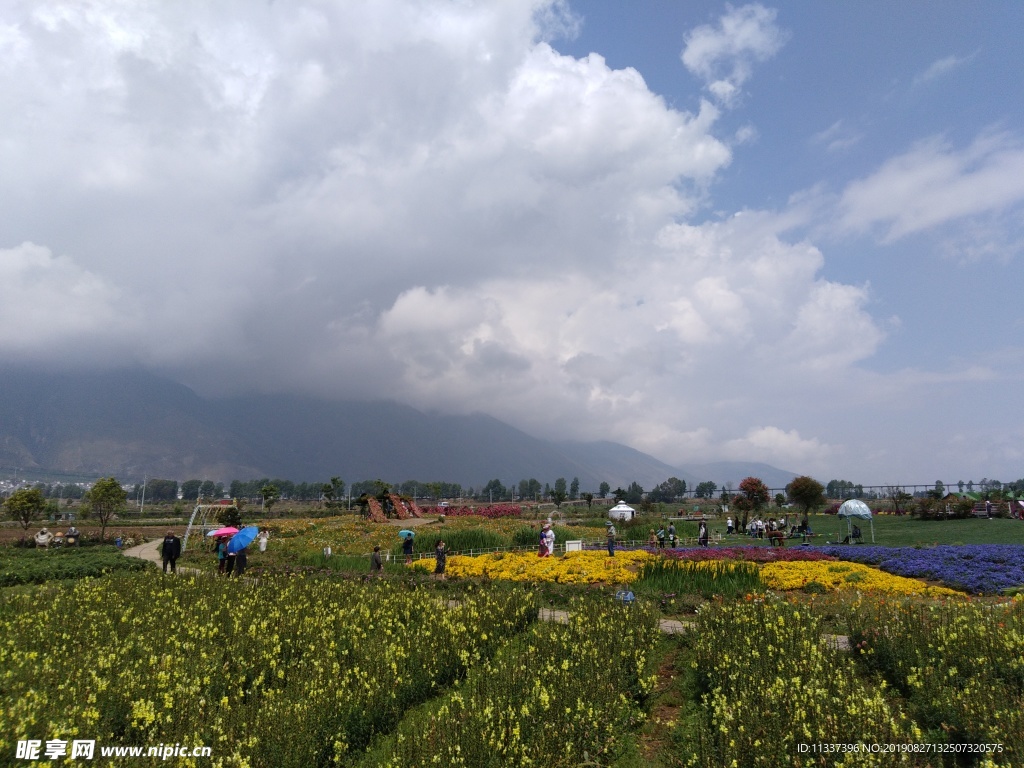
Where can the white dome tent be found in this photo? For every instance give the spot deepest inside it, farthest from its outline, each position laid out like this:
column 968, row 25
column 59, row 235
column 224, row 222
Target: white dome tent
column 857, row 508
column 621, row 511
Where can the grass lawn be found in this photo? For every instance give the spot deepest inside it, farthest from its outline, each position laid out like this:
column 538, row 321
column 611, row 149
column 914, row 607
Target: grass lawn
column 904, row 531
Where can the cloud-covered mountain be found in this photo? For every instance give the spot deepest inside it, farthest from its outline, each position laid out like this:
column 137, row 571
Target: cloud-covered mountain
column 133, row 423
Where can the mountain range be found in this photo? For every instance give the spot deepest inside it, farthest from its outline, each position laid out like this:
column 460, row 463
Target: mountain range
column 133, row 423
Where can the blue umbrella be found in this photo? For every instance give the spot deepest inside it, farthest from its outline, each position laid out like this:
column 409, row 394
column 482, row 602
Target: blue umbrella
column 243, row 539
column 406, row 534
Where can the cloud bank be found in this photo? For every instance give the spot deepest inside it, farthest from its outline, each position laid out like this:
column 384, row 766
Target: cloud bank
column 423, row 201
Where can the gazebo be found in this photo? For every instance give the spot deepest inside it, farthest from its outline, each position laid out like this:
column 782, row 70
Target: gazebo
column 857, row 508
column 622, row 511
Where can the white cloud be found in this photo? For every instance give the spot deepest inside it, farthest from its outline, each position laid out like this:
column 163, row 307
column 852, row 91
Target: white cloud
column 934, row 183
column 418, row 200
column 779, row 447
column 941, row 67
column 724, row 55
column 837, row 137
column 52, row 307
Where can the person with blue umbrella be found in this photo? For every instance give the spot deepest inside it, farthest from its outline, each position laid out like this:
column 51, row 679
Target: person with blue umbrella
column 407, row 545
column 237, row 547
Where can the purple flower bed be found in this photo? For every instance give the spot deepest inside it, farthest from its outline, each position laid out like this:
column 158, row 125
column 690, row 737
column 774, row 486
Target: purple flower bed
column 982, row 569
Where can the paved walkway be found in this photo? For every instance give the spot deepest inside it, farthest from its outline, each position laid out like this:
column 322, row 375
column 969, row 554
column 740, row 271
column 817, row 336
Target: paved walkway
column 148, row 551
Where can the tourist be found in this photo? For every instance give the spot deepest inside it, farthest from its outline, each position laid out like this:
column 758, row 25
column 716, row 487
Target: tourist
column 728, row 526
column 610, row 534
column 702, row 534
column 548, row 536
column 441, row 556
column 661, row 537
column 652, row 540
column 221, row 548
column 170, row 551
column 240, row 558
column 264, row 537
column 43, row 538
column 376, row 564
column 407, row 544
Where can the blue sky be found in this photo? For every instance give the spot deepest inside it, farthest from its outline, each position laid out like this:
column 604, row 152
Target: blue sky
column 783, row 232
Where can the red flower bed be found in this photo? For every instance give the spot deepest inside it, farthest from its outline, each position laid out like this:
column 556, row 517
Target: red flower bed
column 751, row 554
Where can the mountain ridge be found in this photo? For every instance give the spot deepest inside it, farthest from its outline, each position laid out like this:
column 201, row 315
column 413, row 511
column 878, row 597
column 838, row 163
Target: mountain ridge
column 132, row 423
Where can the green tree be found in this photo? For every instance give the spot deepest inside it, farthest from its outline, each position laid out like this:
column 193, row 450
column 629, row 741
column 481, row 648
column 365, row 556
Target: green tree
column 806, row 492
column 230, row 514
column 560, row 485
column 26, row 505
column 755, row 494
column 589, row 498
column 635, row 493
column 270, row 494
column 574, row 488
column 705, row 490
column 104, row 500
column 603, row 490
column 494, row 490
column 668, row 491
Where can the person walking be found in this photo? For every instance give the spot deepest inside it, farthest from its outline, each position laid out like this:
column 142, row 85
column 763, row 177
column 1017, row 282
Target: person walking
column 407, row 544
column 548, row 538
column 376, row 564
column 441, row 556
column 702, row 534
column 170, row 551
column 221, row 548
column 241, row 558
column 264, row 537
column 610, row 534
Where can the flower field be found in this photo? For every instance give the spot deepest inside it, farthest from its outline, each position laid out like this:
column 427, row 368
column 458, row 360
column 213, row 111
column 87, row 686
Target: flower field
column 562, row 691
column 982, row 569
column 832, row 576
column 767, row 681
column 959, row 665
column 307, row 670
column 571, row 568
column 672, row 574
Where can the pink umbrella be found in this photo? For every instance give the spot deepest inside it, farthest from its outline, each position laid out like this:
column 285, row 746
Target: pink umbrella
column 228, row 531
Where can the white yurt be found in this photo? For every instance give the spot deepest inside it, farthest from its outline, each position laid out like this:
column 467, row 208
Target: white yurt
column 855, row 508
column 621, row 511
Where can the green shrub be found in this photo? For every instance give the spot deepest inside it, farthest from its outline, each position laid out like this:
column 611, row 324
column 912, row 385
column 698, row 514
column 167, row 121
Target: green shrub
column 36, row 566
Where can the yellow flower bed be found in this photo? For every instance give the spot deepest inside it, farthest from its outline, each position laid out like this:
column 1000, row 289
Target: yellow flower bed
column 834, row 576
column 571, row 568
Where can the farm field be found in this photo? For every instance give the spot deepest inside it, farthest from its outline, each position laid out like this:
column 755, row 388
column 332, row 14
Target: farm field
column 314, row 663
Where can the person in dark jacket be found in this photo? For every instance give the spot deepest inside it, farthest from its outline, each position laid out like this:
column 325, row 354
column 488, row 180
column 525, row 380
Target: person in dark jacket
column 170, row 551
column 376, row 563
column 441, row 556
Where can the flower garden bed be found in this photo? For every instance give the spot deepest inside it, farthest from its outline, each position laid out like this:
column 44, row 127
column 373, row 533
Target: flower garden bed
column 983, row 569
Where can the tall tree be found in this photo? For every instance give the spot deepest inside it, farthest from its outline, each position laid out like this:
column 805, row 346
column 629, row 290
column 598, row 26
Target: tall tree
column 705, row 490
column 756, row 495
column 574, row 488
column 603, row 490
column 494, row 490
column 806, row 492
column 635, row 493
column 26, row 505
column 270, row 493
column 104, row 500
